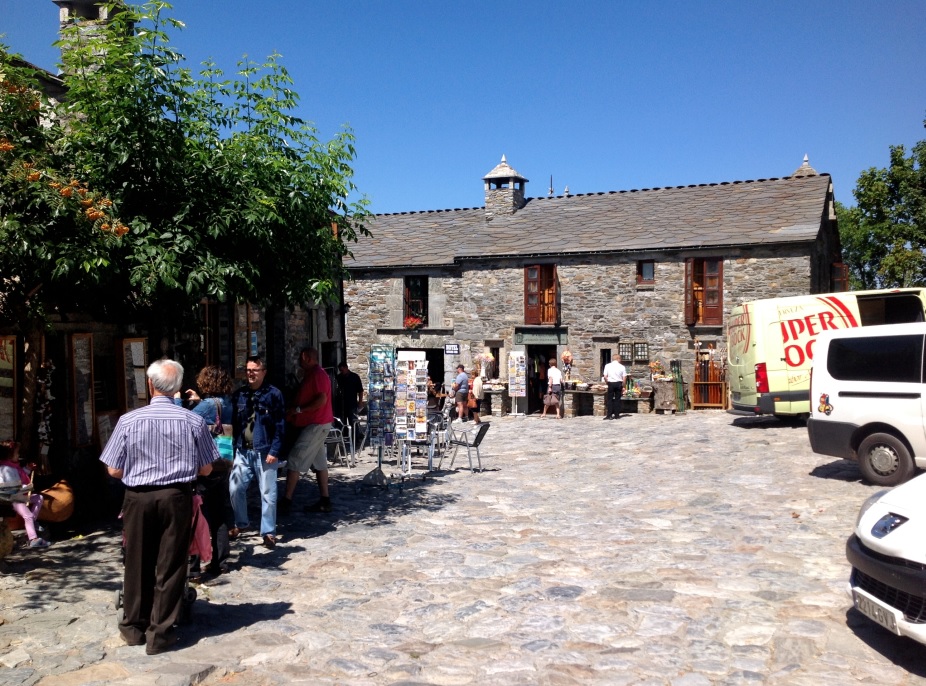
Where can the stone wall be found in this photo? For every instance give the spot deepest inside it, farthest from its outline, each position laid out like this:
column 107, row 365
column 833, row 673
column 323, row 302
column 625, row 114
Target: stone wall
column 601, row 304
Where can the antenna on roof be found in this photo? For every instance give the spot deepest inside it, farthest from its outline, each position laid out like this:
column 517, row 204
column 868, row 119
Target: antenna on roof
column 550, row 192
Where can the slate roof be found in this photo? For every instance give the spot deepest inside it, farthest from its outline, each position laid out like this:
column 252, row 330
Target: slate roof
column 762, row 212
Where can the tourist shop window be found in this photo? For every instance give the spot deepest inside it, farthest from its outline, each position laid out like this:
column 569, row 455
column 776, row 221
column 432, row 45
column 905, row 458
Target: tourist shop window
column 704, row 291
column 416, row 299
column 646, row 272
column 540, row 294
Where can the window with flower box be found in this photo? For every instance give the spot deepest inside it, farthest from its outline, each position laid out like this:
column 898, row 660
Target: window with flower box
column 415, row 302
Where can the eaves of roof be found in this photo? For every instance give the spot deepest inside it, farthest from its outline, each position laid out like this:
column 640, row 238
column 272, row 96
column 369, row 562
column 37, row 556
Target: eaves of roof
column 749, row 213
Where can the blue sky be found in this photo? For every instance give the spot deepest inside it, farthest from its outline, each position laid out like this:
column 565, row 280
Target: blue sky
column 603, row 96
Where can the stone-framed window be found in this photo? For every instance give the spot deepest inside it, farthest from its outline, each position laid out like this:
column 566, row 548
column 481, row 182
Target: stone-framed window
column 646, row 272
column 704, row 291
column 415, row 300
column 541, row 290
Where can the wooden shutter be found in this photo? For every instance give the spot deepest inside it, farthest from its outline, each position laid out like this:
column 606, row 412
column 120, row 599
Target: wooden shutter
column 549, row 286
column 689, row 293
column 532, row 293
column 712, row 288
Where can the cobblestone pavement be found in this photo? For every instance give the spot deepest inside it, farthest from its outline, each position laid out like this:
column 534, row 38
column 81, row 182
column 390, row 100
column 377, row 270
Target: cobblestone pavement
column 687, row 549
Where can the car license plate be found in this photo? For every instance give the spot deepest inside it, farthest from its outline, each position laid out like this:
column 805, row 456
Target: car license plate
column 875, row 610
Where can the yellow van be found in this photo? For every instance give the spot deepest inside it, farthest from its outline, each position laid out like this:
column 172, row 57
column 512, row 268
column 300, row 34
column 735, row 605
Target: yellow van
column 770, row 342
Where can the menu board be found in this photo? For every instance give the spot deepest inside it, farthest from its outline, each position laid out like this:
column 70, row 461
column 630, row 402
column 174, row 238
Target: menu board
column 82, row 389
column 133, row 393
column 411, row 396
column 517, row 374
column 381, row 396
column 8, row 385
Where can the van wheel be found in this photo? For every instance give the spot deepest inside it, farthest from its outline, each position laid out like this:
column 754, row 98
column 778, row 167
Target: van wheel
column 884, row 460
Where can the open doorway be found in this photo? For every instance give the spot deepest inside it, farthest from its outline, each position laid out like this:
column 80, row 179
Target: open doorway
column 538, row 357
column 435, row 358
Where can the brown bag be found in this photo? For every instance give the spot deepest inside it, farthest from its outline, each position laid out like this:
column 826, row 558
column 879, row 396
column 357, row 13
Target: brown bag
column 57, row 503
column 471, row 401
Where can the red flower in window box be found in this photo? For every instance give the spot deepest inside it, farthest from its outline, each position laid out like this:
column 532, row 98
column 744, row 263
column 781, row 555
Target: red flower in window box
column 413, row 323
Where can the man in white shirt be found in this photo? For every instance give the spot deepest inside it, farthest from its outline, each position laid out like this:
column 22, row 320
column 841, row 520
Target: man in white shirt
column 554, row 388
column 613, row 374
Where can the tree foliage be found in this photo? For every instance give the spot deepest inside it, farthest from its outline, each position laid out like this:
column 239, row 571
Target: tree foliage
column 884, row 236
column 225, row 193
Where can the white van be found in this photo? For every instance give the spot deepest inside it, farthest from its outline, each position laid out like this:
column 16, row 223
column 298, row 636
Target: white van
column 770, row 342
column 869, row 399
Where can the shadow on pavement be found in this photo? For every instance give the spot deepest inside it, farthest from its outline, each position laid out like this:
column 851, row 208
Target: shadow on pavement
column 217, row 619
column 839, row 470
column 770, row 422
column 902, row 651
column 86, row 563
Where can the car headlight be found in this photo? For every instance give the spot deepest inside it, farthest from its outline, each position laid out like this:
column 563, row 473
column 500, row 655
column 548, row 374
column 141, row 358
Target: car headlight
column 875, row 497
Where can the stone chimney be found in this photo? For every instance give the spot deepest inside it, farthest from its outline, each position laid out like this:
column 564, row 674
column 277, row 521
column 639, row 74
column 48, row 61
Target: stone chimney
column 92, row 14
column 504, row 191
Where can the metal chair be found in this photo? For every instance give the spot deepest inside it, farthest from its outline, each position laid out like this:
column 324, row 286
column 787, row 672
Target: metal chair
column 469, row 439
column 336, row 437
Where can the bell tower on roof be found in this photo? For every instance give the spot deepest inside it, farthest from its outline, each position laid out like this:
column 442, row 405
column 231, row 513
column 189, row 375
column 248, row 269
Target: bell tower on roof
column 504, row 189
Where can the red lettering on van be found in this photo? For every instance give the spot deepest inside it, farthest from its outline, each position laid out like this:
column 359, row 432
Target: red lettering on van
column 827, row 321
column 809, row 320
column 795, row 327
column 794, row 355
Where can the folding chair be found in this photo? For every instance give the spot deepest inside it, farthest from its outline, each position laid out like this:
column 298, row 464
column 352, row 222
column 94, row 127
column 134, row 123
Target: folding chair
column 337, row 438
column 469, row 439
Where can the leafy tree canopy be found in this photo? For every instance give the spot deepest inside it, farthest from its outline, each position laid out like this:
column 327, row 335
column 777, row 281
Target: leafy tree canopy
column 884, row 236
column 183, row 185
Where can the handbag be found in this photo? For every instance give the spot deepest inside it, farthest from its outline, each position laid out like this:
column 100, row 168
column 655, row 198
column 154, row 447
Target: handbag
column 551, row 400
column 224, row 444
column 217, row 428
column 471, row 401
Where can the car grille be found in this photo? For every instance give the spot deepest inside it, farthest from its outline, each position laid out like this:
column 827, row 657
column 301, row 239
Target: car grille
column 896, row 561
column 912, row 607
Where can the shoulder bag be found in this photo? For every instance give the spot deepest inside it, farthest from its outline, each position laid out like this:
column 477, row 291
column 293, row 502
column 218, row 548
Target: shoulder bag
column 224, row 444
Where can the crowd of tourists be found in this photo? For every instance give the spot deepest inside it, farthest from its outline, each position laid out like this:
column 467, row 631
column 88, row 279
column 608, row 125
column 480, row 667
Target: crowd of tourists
column 200, row 450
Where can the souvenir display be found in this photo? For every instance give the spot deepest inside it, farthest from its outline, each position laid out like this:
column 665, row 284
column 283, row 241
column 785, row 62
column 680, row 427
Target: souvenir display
column 411, row 395
column 382, row 395
column 517, row 375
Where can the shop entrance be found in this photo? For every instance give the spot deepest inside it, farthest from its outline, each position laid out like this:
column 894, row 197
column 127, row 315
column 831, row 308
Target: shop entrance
column 435, row 358
column 537, row 360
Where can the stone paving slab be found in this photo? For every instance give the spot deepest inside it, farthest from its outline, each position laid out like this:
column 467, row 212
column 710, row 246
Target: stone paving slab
column 686, row 549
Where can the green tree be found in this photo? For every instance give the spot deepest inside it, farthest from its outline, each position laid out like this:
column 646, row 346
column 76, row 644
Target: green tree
column 884, row 236
column 150, row 187
column 225, row 193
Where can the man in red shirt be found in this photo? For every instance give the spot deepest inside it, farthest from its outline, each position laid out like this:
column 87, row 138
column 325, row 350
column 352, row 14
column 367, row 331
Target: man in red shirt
column 312, row 416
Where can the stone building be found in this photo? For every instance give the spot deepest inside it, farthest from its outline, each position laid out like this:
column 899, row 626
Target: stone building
column 650, row 274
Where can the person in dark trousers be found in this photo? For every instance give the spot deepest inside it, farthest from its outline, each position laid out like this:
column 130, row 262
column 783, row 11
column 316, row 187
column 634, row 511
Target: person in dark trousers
column 157, row 451
column 349, row 394
column 613, row 374
column 213, row 404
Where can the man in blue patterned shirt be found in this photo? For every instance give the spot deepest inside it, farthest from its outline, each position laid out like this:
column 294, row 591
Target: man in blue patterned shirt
column 157, row 451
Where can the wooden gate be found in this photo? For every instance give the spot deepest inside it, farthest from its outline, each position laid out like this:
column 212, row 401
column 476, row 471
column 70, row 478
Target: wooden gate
column 709, row 388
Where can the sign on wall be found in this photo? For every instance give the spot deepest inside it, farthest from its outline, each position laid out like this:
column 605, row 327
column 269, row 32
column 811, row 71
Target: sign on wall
column 8, row 386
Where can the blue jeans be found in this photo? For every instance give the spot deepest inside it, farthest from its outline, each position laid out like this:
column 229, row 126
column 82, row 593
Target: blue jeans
column 250, row 464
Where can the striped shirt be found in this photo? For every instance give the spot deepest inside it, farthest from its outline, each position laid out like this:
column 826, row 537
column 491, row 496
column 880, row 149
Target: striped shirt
column 159, row 445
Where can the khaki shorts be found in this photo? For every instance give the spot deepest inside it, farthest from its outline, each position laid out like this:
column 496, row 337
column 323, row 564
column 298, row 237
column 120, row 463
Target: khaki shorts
column 309, row 451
